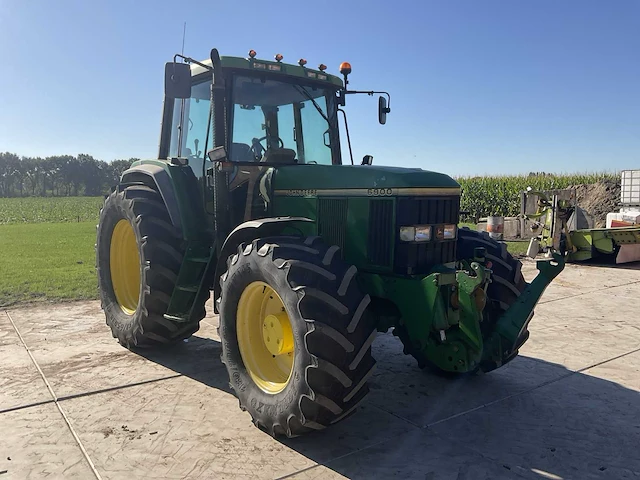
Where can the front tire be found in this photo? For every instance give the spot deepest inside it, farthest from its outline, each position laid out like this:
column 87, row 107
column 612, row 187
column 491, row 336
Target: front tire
column 296, row 336
column 138, row 257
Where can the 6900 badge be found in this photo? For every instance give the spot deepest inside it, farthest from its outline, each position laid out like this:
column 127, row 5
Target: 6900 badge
column 380, row 192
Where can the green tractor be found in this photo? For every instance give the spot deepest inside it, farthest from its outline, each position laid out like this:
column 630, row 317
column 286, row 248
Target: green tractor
column 306, row 258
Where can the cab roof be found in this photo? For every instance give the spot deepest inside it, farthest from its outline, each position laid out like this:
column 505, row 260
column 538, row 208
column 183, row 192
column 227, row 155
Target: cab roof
column 254, row 64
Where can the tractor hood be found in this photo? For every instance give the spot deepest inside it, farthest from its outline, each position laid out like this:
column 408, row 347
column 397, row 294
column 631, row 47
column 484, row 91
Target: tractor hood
column 360, row 179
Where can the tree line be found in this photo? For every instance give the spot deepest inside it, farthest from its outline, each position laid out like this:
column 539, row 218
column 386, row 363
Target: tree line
column 58, row 175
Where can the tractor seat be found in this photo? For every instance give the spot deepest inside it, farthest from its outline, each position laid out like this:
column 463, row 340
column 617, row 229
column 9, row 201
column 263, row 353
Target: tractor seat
column 279, row 155
column 241, row 152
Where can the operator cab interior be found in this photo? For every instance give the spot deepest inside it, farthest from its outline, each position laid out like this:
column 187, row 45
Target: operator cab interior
column 279, row 122
column 269, row 120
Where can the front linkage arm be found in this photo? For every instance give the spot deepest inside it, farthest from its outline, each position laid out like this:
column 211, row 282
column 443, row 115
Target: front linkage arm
column 511, row 328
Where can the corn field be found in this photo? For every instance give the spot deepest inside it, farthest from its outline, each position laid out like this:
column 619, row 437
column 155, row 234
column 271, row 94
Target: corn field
column 500, row 195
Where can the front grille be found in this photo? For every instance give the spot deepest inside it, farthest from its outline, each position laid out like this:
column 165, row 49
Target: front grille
column 420, row 258
column 428, row 211
column 332, row 220
column 380, row 232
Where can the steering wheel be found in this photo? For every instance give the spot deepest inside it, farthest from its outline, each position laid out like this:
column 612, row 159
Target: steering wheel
column 257, row 145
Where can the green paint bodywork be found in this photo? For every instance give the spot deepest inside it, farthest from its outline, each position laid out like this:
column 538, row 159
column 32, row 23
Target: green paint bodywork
column 358, row 221
column 426, row 309
column 297, row 191
column 359, row 176
column 198, row 235
column 189, row 202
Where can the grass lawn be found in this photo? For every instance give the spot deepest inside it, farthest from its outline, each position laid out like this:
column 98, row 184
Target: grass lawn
column 518, row 248
column 47, row 261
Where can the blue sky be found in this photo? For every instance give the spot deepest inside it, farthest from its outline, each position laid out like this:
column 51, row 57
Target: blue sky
column 476, row 87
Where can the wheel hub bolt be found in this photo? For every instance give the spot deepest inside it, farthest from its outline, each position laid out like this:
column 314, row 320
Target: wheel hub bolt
column 277, row 334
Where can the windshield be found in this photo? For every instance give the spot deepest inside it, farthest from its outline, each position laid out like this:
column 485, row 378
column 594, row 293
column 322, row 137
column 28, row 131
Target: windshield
column 271, row 115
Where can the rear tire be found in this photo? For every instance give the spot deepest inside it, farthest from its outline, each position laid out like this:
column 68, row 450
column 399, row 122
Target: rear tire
column 135, row 234
column 506, row 286
column 331, row 332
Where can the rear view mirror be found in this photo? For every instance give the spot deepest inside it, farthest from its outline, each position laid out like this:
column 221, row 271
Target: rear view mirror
column 367, row 160
column 382, row 110
column 177, row 80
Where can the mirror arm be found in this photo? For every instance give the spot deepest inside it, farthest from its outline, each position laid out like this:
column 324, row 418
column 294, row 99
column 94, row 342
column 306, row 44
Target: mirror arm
column 368, row 92
column 191, row 60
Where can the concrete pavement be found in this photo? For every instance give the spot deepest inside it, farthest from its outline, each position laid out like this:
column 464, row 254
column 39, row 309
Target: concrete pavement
column 75, row 404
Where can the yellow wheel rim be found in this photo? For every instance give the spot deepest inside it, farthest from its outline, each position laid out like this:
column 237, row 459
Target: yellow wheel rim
column 265, row 337
column 125, row 266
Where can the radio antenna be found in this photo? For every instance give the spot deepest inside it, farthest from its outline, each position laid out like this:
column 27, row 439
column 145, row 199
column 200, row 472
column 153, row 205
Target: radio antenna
column 184, row 34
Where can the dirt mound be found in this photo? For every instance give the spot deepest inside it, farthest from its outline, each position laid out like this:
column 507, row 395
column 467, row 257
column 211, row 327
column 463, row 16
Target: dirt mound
column 598, row 199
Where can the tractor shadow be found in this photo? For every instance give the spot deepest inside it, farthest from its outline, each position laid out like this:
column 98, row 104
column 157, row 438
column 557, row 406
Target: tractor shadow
column 197, row 358
column 529, row 419
column 599, row 263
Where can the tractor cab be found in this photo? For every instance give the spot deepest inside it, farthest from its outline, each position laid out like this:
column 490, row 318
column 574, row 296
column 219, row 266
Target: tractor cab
column 268, row 111
column 270, row 120
column 258, row 115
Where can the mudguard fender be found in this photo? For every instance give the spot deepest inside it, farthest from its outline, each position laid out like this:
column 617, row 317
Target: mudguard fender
column 246, row 232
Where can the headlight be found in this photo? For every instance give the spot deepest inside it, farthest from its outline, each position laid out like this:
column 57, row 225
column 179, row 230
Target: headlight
column 446, row 232
column 407, row 234
column 450, row 232
column 418, row 233
column 423, row 233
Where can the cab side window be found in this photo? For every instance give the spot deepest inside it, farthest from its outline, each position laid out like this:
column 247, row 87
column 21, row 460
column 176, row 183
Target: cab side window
column 190, row 117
